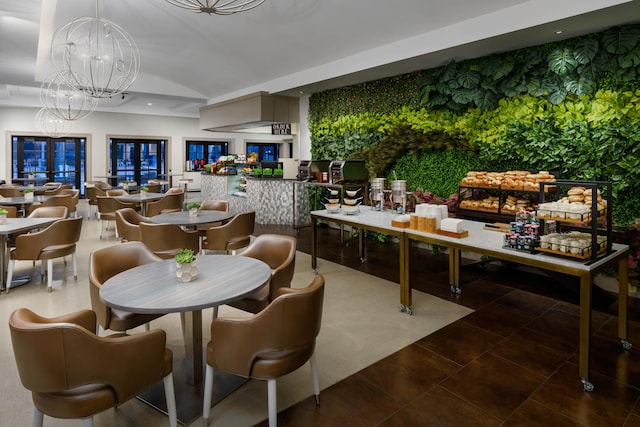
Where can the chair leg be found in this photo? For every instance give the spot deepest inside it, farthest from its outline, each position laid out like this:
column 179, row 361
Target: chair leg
column 208, row 394
column 74, row 261
column 87, row 422
column 38, row 418
column 50, row 275
column 273, row 403
column 314, row 377
column 171, row 400
column 10, row 273
column 101, row 227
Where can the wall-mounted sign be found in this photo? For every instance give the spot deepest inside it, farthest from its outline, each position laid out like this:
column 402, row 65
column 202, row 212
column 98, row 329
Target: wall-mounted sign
column 281, row 129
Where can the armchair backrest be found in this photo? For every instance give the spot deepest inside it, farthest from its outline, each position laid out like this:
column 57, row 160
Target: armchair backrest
column 10, row 192
column 105, row 263
column 109, row 205
column 215, row 205
column 170, row 202
column 165, row 240
column 279, row 252
column 49, row 212
column 127, row 223
column 62, row 232
column 235, row 234
column 12, row 211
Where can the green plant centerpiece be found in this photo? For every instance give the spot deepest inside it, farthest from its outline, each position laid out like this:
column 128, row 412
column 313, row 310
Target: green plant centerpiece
column 257, row 172
column 3, row 216
column 186, row 266
column 193, row 208
column 144, row 188
column 278, row 172
column 28, row 193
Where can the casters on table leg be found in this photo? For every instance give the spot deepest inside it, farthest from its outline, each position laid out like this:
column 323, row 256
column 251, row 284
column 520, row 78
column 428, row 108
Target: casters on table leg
column 626, row 344
column 406, row 309
column 456, row 289
column 363, row 260
column 315, row 271
column 587, row 385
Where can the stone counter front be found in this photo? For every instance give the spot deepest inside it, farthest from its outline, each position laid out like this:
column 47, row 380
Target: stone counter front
column 273, row 200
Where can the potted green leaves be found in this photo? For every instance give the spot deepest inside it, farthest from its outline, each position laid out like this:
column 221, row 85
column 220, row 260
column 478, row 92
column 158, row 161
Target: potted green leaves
column 186, row 266
column 193, row 208
column 278, row 173
column 267, row 172
column 3, row 216
column 257, row 172
column 28, row 194
column 144, row 190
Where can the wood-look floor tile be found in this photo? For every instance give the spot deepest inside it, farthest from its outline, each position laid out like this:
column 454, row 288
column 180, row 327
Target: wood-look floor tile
column 461, row 342
column 529, row 349
column 409, row 372
column 534, row 414
column 632, row 421
column 558, row 324
column 494, row 384
column 499, row 319
column 608, row 405
column 480, row 292
column 352, row 401
column 528, row 302
column 440, row 408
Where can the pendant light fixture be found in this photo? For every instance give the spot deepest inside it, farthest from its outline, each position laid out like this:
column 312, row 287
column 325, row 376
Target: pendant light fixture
column 95, row 55
column 52, row 125
column 217, row 7
column 65, row 101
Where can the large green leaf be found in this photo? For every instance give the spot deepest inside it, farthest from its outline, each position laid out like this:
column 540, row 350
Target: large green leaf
column 562, row 60
column 468, row 78
column 585, row 50
column 631, row 59
column 620, row 40
column 486, row 100
column 581, row 86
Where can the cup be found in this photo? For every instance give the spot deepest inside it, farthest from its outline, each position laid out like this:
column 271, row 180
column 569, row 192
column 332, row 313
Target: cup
column 422, row 223
column 430, row 224
column 414, row 222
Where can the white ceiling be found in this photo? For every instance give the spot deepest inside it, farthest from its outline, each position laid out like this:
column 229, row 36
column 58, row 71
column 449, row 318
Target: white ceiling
column 286, row 46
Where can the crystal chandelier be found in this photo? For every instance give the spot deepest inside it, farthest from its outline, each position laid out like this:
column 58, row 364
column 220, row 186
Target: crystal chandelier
column 65, row 101
column 219, row 7
column 95, row 55
column 52, row 125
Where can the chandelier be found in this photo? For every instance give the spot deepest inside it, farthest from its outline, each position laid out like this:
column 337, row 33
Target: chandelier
column 65, row 101
column 219, row 7
column 96, row 56
column 52, row 125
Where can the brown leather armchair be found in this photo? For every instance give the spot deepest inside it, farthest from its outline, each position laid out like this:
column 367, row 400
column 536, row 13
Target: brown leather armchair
column 56, row 241
column 268, row 345
column 279, row 252
column 128, row 224
column 57, row 200
column 215, row 205
column 75, row 198
column 93, row 192
column 105, row 263
column 73, row 373
column 235, row 234
column 165, row 240
column 153, row 187
column 10, row 192
column 116, row 192
column 12, row 211
column 171, row 202
column 107, row 207
column 49, row 212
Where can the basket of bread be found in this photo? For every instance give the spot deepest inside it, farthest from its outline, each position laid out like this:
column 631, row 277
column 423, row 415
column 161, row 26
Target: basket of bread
column 519, row 180
column 574, row 207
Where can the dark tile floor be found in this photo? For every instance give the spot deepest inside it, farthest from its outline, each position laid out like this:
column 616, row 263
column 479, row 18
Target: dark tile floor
column 512, row 362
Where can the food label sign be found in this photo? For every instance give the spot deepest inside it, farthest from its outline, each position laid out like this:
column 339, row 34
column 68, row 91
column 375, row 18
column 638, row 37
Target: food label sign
column 281, row 129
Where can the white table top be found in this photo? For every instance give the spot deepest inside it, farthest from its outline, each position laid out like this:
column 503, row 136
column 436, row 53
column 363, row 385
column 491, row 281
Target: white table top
column 139, row 197
column 15, row 225
column 366, row 217
column 22, row 200
column 182, row 218
column 153, row 288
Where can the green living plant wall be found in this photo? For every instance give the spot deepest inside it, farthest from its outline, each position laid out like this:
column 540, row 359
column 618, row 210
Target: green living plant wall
column 571, row 106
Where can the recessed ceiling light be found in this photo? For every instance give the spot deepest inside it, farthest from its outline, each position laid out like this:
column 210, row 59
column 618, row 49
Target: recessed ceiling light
column 149, row 104
column 558, row 32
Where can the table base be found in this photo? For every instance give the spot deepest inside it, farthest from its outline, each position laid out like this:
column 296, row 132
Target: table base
column 189, row 397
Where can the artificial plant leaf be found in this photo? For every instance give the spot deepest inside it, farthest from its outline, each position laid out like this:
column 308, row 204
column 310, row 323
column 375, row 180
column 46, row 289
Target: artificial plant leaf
column 562, row 61
column 620, row 40
column 468, row 78
column 486, row 100
column 631, row 59
column 580, row 86
column 585, row 50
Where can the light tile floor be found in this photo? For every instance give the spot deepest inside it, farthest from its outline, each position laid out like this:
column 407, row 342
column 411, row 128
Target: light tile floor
column 361, row 325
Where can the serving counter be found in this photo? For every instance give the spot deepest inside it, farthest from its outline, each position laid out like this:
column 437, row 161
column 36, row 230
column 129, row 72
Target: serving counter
column 489, row 243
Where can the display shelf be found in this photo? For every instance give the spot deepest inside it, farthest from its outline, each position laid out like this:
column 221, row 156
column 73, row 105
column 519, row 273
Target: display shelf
column 597, row 249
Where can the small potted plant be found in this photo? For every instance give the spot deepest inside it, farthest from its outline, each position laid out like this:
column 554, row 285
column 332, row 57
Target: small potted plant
column 257, row 172
column 28, row 194
column 267, row 172
column 144, row 190
column 3, row 216
column 125, row 184
column 278, row 173
column 186, row 266
column 193, row 208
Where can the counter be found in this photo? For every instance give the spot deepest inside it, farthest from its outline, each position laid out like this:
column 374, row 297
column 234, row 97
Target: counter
column 273, row 199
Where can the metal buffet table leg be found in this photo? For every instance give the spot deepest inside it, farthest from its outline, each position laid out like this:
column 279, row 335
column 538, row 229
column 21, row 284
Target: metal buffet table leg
column 623, row 301
column 3, row 261
column 314, row 260
column 454, row 270
column 405, row 289
column 361, row 247
column 585, row 331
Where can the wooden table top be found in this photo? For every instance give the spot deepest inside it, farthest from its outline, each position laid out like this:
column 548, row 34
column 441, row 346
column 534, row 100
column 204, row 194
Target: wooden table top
column 153, row 288
column 182, row 218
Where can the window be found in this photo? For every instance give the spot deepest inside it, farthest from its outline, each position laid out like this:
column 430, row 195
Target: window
column 52, row 159
column 206, row 151
column 266, row 151
column 136, row 160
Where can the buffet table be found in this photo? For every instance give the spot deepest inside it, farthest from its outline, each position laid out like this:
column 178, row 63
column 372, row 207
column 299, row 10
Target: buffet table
column 489, row 243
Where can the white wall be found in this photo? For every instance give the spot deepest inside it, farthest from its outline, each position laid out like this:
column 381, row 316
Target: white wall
column 98, row 127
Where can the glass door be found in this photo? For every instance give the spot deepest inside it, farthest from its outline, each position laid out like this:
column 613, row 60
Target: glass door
column 137, row 159
column 38, row 159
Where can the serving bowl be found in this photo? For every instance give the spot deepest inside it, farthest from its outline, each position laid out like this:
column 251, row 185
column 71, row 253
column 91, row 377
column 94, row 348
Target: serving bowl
column 332, row 207
column 333, row 201
column 352, row 202
column 352, row 193
column 333, row 192
column 350, row 209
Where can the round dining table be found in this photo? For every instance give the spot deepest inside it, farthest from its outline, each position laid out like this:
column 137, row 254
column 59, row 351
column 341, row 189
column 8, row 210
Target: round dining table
column 184, row 219
column 153, row 288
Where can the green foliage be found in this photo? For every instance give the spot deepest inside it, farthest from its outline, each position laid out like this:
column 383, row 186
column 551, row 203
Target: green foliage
column 185, row 256
column 193, row 205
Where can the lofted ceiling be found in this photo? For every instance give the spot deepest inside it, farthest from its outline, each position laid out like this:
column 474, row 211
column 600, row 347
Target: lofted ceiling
column 291, row 47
